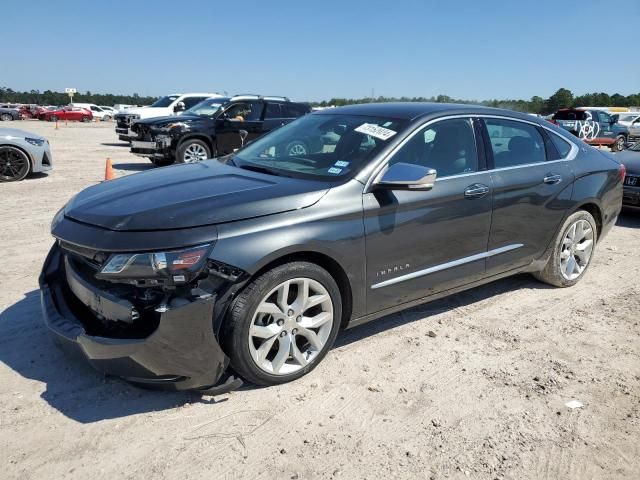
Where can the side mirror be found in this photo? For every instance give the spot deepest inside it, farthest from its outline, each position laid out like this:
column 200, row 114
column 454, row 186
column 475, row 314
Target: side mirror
column 243, row 136
column 406, row 176
column 179, row 107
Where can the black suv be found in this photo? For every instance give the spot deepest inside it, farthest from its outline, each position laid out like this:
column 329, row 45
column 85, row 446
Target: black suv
column 214, row 127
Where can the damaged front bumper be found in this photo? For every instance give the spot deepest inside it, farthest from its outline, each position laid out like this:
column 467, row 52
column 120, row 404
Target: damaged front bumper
column 181, row 353
column 153, row 149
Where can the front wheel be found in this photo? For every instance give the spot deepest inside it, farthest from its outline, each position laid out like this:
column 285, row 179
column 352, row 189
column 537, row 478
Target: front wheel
column 618, row 145
column 53, row 118
column 191, row 151
column 14, row 164
column 283, row 324
column 572, row 251
column 6, row 117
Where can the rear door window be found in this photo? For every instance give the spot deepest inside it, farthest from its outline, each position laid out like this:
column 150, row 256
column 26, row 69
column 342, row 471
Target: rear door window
column 515, row 143
column 290, row 110
column 273, row 111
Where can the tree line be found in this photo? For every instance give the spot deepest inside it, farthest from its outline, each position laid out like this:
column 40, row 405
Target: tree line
column 7, row 95
column 562, row 98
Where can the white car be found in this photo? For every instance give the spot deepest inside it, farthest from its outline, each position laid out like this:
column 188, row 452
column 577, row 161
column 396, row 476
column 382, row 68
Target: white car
column 168, row 105
column 22, row 153
column 99, row 113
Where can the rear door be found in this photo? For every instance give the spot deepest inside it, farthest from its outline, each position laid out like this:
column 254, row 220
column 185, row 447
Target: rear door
column 532, row 189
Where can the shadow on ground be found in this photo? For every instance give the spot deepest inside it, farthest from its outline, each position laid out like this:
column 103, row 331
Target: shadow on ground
column 86, row 396
column 72, row 387
column 133, row 167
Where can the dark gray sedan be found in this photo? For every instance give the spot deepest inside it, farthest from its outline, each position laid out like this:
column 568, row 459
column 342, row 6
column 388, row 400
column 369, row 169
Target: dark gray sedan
column 8, row 114
column 258, row 259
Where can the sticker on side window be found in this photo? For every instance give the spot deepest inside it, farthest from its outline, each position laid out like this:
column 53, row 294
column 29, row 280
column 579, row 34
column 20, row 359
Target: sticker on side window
column 375, row 131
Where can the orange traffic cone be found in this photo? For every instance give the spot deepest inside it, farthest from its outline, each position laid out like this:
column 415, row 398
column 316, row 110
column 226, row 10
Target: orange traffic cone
column 108, row 171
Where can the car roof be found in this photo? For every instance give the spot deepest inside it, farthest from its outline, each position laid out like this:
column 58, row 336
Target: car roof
column 413, row 110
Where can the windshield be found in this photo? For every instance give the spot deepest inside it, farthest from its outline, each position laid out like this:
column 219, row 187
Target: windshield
column 165, row 101
column 570, row 115
column 207, row 108
column 320, row 146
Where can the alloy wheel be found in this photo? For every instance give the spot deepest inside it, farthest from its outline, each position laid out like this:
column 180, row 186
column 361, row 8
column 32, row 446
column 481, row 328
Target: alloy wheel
column 291, row 326
column 195, row 153
column 576, row 249
column 14, row 165
column 6, row 117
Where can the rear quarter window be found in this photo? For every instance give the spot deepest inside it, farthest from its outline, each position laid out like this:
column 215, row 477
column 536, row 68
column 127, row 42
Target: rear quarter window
column 561, row 145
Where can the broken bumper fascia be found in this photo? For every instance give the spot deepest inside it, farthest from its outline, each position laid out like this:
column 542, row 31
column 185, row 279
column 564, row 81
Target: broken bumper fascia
column 156, row 149
column 181, row 354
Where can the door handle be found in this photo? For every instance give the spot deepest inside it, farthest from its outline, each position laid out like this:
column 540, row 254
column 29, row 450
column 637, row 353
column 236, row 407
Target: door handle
column 476, row 190
column 552, row 178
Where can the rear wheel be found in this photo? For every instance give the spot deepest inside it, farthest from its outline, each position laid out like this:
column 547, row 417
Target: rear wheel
column 572, row 251
column 618, row 145
column 14, row 164
column 193, row 151
column 6, row 117
column 53, row 118
column 85, row 119
column 283, row 324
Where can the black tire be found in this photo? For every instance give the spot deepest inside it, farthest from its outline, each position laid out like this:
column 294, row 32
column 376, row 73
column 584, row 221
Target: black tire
column 296, row 148
column 53, row 118
column 85, row 119
column 187, row 145
column 6, row 117
column 241, row 312
column 14, row 164
column 618, row 145
column 551, row 273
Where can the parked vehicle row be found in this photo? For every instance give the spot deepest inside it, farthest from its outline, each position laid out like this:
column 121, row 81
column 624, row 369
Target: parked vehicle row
column 595, row 127
column 79, row 114
column 217, row 126
column 257, row 259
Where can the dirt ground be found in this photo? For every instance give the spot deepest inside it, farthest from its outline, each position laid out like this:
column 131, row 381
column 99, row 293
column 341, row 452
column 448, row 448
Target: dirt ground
column 472, row 386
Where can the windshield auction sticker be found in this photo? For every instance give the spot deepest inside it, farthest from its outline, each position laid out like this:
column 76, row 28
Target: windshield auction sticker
column 375, row 131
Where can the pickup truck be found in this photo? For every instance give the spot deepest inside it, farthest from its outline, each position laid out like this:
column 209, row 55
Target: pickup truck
column 595, row 127
column 169, row 105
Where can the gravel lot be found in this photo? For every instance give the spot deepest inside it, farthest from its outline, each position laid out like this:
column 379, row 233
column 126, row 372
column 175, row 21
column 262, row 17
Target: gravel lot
column 473, row 386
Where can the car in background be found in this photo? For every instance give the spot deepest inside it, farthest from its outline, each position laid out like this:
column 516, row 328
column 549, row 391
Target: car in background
column 593, row 126
column 630, row 158
column 215, row 127
column 9, row 114
column 97, row 112
column 110, row 110
column 631, row 120
column 173, row 104
column 256, row 260
column 78, row 114
column 22, row 153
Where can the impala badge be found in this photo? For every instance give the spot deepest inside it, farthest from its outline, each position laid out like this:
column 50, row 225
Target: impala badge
column 392, row 270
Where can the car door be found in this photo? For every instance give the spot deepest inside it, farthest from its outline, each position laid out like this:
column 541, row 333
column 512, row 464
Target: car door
column 422, row 242
column 634, row 128
column 606, row 125
column 242, row 115
column 273, row 117
column 532, row 188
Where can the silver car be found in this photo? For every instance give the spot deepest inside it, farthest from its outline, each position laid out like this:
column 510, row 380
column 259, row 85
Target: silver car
column 22, row 153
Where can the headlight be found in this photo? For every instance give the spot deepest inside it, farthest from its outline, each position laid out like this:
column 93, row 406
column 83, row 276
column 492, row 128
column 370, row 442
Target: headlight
column 172, row 267
column 38, row 142
column 173, row 125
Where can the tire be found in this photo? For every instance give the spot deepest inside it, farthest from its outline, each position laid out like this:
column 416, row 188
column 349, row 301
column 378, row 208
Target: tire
column 283, row 332
column 85, row 119
column 6, row 117
column 618, row 145
column 14, row 164
column 191, row 151
column 564, row 249
column 296, row 148
column 106, row 118
column 53, row 118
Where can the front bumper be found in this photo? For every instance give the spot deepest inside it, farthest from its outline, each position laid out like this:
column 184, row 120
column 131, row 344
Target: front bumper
column 631, row 196
column 154, row 149
column 43, row 162
column 180, row 354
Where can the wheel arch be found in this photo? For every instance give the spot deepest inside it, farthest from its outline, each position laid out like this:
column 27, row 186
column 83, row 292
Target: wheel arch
column 322, row 259
column 196, row 136
column 593, row 207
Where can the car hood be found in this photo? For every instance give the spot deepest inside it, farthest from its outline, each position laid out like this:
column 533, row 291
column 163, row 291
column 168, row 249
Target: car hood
column 17, row 133
column 191, row 195
column 160, row 121
column 630, row 160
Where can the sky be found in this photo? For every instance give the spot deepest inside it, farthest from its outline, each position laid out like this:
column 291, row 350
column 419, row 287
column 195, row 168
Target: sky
column 320, row 49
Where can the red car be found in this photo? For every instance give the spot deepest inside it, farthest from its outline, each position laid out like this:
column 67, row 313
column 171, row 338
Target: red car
column 67, row 113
